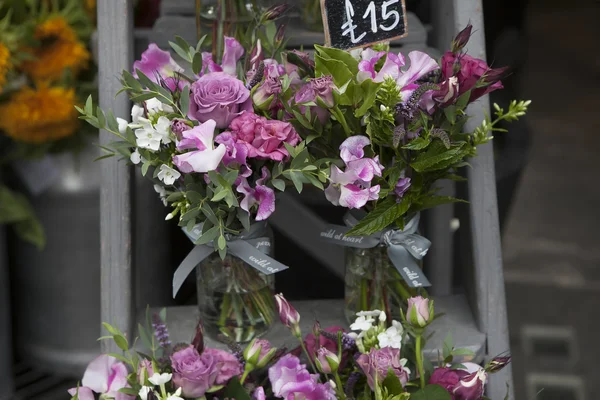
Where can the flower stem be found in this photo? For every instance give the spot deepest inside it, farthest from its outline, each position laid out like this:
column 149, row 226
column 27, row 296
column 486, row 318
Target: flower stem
column 338, row 382
column 310, row 361
column 244, row 376
column 420, row 360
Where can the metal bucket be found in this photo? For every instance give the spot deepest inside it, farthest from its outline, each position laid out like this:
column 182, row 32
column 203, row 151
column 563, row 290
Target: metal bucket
column 57, row 290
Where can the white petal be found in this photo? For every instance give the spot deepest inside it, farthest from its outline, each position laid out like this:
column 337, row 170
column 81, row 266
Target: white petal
column 136, row 113
column 122, row 125
column 135, row 157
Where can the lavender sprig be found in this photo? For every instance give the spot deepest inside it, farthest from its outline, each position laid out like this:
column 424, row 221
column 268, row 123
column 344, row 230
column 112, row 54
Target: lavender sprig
column 161, row 332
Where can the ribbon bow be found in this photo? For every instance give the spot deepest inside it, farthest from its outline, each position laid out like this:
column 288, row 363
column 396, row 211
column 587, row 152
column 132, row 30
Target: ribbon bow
column 404, row 246
column 251, row 247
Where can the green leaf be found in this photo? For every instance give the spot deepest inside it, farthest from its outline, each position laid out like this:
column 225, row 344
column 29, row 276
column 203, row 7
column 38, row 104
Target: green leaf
column 392, row 383
column 147, row 82
column 32, row 231
column 175, row 196
column 145, row 337
column 119, row 357
column 462, row 353
column 447, row 346
column 145, row 167
column 435, row 157
column 89, row 106
column 450, row 113
column 220, row 195
column 185, row 100
column 278, row 184
column 181, row 52
column 130, row 81
column 431, row 392
column 235, row 390
column 244, row 218
column 197, row 63
column 418, row 143
column 341, row 55
column 463, row 100
column 296, row 178
column 129, row 391
column 384, row 214
column 337, row 69
column 101, row 118
column 191, row 214
column 221, row 242
column 209, row 235
column 121, row 342
column 193, row 197
column 367, row 99
column 209, row 214
column 13, row 206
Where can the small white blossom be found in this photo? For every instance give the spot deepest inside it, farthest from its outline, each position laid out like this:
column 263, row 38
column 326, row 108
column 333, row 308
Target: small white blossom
column 383, row 108
column 168, row 175
column 175, row 396
column 169, row 217
column 332, row 384
column 392, row 337
column 362, row 324
column 160, row 379
column 382, row 317
column 144, row 391
column 154, row 105
column 137, row 112
column 162, row 193
column 163, row 127
column 403, row 362
column 122, row 125
column 135, row 157
column 147, row 137
column 374, row 313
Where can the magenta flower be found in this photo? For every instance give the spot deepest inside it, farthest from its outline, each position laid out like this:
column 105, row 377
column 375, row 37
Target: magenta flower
column 105, row 375
column 158, row 64
column 288, row 314
column 447, row 378
column 236, row 151
column 261, row 195
column 209, row 65
column 195, row 373
column 264, row 138
column 352, row 188
column 378, row 362
column 401, row 188
column 418, row 312
column 471, row 386
column 311, row 341
column 327, row 361
column 420, row 65
column 231, row 54
column 204, row 156
column 321, row 88
column 259, row 394
column 265, row 94
column 220, row 97
column 390, row 68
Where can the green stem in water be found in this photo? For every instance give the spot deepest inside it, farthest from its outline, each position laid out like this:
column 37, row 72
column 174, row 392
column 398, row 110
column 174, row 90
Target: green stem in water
column 420, row 360
column 364, row 296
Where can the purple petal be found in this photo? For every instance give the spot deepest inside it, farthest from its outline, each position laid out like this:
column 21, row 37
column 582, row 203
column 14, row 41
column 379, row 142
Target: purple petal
column 208, row 65
column 265, row 174
column 199, row 137
column 374, row 192
column 232, row 53
column 83, row 393
column 200, row 161
column 97, row 373
column 332, row 194
column 117, row 379
column 391, row 67
column 353, row 196
column 249, row 199
column 365, row 169
column 154, row 60
column 266, row 202
column 352, row 148
column 420, row 64
column 342, row 178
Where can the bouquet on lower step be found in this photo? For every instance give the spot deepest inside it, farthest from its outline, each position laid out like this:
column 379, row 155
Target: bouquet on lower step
column 375, row 359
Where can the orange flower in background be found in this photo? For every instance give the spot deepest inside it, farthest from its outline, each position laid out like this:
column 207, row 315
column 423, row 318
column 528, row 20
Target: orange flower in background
column 59, row 49
column 39, row 115
column 4, row 64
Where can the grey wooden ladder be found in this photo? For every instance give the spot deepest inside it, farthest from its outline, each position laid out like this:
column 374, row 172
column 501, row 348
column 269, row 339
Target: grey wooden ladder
column 477, row 320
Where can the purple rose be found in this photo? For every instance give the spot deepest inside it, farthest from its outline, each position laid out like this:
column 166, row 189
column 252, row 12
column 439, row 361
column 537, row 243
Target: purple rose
column 194, row 373
column 264, row 138
column 289, row 376
column 377, row 363
column 447, row 378
column 220, row 97
column 228, row 365
column 316, row 88
column 401, row 188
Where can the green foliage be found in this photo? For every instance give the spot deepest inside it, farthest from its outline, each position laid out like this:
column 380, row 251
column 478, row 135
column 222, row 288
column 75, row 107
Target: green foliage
column 16, row 210
column 384, row 214
column 431, row 392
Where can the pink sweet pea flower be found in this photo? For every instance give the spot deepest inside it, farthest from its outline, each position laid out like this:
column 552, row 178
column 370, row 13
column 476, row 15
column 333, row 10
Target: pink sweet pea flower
column 390, row 68
column 158, row 64
column 104, row 375
column 204, row 157
column 420, row 65
column 261, row 195
column 231, row 55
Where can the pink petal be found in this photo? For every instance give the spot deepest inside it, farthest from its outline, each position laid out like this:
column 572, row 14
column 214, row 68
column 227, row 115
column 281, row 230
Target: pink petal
column 118, row 379
column 200, row 161
column 232, row 53
column 391, row 67
column 420, row 64
column 83, row 393
column 352, row 148
column 266, row 200
column 342, row 178
column 97, row 373
column 353, row 196
column 332, row 194
column 249, row 199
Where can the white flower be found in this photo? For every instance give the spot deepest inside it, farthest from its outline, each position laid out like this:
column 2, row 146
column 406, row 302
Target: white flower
column 382, row 317
column 163, row 127
column 160, row 379
column 154, row 105
column 146, row 136
column 135, row 157
column 175, row 396
column 392, row 337
column 362, row 324
column 143, row 393
column 162, row 193
column 374, row 313
column 122, row 125
column 403, row 362
column 168, row 175
column 136, row 113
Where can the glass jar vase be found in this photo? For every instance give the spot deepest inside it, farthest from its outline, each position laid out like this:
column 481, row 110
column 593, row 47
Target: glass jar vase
column 373, row 283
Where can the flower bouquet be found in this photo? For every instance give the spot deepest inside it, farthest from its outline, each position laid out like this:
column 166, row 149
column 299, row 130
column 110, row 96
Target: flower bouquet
column 214, row 139
column 380, row 359
column 44, row 63
column 396, row 129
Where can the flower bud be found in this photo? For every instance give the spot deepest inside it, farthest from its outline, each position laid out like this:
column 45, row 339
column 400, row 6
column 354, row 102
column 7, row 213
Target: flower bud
column 145, row 370
column 494, row 75
column 259, row 352
column 461, row 40
column 198, row 341
column 471, row 387
column 280, row 35
column 327, row 361
column 276, row 11
column 419, row 312
column 497, row 364
column 288, row 314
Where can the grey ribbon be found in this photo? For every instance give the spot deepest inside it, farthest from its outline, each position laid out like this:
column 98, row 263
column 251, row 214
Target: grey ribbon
column 251, row 247
column 404, row 247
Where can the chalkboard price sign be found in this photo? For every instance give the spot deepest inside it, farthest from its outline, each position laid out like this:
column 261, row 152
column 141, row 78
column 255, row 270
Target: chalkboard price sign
column 359, row 23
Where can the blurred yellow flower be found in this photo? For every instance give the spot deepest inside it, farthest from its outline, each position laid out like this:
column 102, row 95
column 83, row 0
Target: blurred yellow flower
column 39, row 115
column 59, row 49
column 5, row 64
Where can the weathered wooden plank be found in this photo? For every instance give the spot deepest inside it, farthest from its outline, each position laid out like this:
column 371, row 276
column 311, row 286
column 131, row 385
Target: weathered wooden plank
column 449, row 18
column 6, row 358
column 115, row 47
